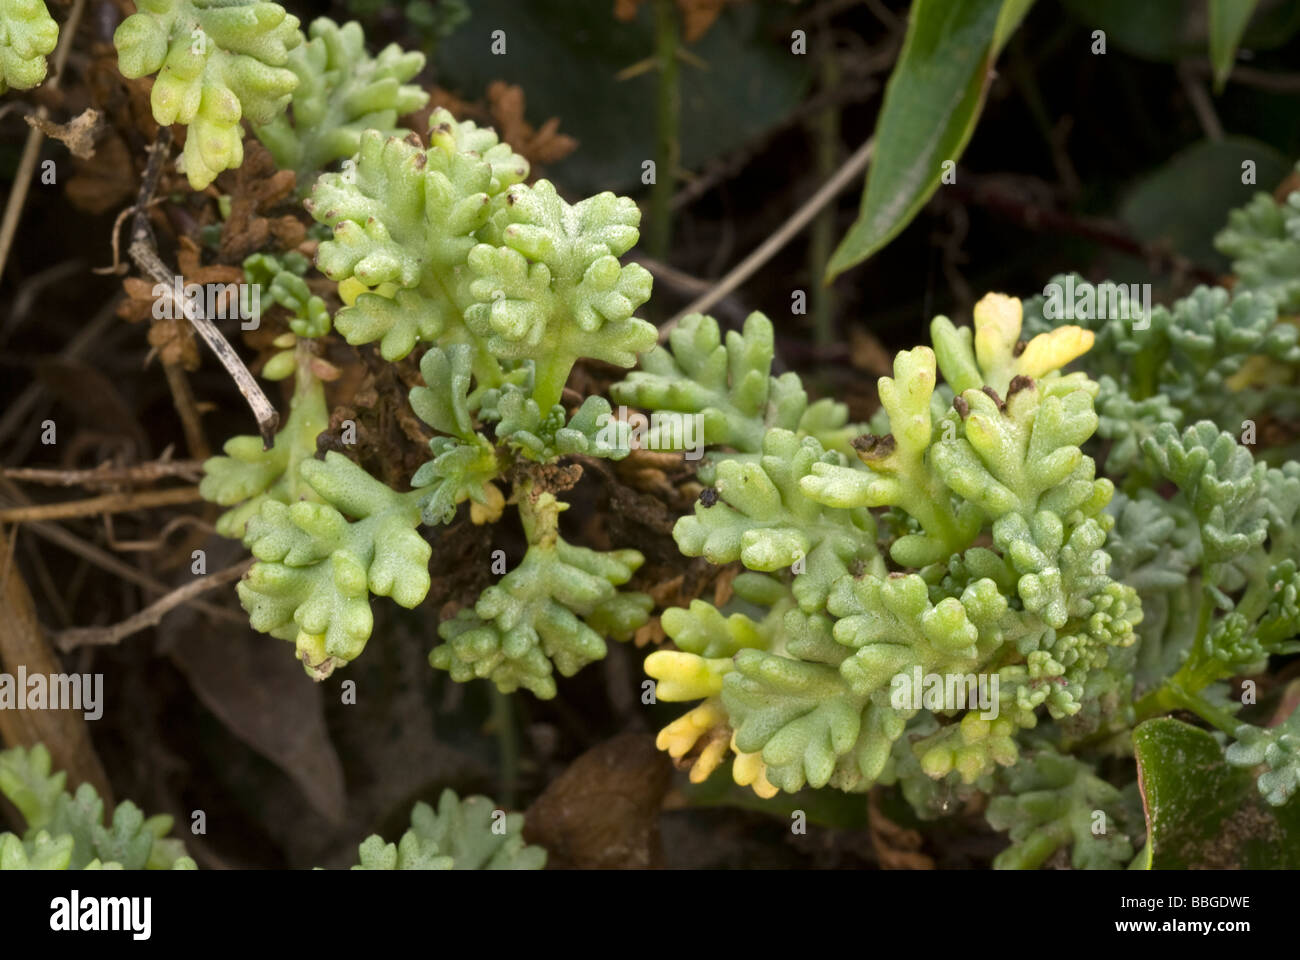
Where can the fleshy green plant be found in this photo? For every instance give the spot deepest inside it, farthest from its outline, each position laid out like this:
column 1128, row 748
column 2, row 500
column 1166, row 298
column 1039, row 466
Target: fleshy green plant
column 1210, row 356
column 469, row 834
column 28, row 34
column 67, row 831
column 1263, row 239
column 1070, row 552
column 217, row 61
column 970, row 535
column 342, row 91
column 986, row 559
column 505, row 287
column 248, row 475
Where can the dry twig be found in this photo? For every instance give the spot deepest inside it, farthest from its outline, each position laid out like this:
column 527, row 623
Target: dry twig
column 847, row 173
column 108, row 503
column 144, row 253
column 150, row 615
column 32, row 149
column 107, row 475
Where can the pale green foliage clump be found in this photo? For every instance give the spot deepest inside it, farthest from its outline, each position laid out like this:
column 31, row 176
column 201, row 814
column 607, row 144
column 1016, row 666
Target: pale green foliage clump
column 554, row 608
column 469, row 834
column 1263, row 240
column 730, row 385
column 505, row 287
column 1278, row 749
column 463, row 252
column 1056, row 801
column 1210, row 355
column 861, row 599
column 28, row 34
column 342, row 91
column 67, row 831
column 1216, row 561
column 217, row 61
column 968, row 535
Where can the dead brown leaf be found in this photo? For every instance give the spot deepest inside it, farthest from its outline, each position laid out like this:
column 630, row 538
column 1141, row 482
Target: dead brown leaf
column 867, row 353
column 603, row 811
column 539, row 146
column 78, row 134
column 23, row 643
column 650, row 632
column 897, row 847
column 722, row 586
column 259, row 692
column 105, row 182
column 256, row 189
column 504, row 112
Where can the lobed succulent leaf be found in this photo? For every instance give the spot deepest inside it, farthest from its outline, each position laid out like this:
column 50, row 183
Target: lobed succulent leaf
column 28, row 34
column 552, row 612
column 404, row 221
column 248, row 476
column 341, row 92
column 317, row 569
column 460, row 835
column 217, row 62
column 729, row 385
column 1263, row 240
column 1278, row 750
column 761, row 517
column 553, row 289
column 1054, row 802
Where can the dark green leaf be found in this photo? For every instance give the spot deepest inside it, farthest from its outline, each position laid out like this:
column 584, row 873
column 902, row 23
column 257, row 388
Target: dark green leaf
column 1163, row 30
column 567, row 55
column 1158, row 211
column 931, row 105
column 1228, row 19
column 1202, row 813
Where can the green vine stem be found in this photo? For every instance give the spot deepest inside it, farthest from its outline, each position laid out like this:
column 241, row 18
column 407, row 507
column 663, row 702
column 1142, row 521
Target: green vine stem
column 667, row 119
column 826, row 131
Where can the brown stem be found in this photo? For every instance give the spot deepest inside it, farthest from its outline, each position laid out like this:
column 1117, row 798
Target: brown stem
column 144, row 253
column 183, row 401
column 150, row 615
column 105, row 475
column 32, row 149
column 108, row 503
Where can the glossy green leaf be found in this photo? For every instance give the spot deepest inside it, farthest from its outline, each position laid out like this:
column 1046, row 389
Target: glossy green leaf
column 1009, row 19
column 1202, row 813
column 932, row 103
column 1228, row 19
